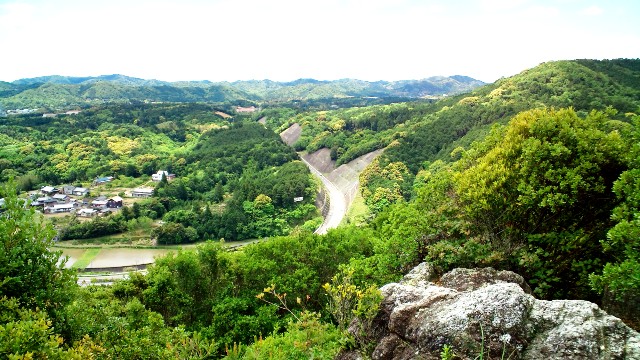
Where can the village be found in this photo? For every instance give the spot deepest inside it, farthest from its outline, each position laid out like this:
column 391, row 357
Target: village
column 87, row 202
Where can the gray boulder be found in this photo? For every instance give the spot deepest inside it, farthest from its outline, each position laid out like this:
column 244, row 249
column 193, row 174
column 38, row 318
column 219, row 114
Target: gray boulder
column 489, row 312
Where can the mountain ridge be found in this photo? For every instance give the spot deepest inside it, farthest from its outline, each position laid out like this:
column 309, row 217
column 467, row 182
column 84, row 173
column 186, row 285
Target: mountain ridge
column 57, row 91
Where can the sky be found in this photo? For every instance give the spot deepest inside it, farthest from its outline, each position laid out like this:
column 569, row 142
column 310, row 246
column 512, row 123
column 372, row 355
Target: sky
column 229, row 40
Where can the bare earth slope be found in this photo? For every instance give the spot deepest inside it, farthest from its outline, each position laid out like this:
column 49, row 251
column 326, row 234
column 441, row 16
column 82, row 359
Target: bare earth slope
column 291, row 135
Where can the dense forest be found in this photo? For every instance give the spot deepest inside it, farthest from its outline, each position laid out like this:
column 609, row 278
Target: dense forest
column 537, row 173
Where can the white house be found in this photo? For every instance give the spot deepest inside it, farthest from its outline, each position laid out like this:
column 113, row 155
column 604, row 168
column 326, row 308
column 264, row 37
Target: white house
column 58, row 208
column 48, row 190
column 61, row 198
column 142, row 192
column 158, row 176
column 87, row 212
column 80, row 191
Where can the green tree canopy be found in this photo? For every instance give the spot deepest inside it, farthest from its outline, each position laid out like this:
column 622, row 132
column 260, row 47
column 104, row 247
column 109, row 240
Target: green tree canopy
column 29, row 272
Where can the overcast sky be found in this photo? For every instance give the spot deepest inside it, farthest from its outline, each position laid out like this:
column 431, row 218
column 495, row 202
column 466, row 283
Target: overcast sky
column 371, row 40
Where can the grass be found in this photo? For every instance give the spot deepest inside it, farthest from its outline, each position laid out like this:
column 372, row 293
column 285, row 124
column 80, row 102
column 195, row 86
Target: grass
column 86, row 258
column 140, row 236
column 358, row 211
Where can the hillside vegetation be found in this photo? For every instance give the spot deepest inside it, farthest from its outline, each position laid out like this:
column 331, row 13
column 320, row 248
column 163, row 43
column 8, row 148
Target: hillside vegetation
column 59, row 92
column 428, row 131
column 235, row 178
column 537, row 173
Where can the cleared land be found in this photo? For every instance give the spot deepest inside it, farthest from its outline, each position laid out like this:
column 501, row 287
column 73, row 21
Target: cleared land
column 125, row 257
column 292, row 134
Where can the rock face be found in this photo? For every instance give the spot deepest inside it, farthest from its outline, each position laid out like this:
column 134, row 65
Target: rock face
column 489, row 312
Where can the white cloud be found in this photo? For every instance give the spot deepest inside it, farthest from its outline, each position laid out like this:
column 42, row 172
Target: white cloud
column 593, row 10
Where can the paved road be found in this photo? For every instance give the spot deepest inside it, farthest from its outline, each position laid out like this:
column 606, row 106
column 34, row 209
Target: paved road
column 337, row 202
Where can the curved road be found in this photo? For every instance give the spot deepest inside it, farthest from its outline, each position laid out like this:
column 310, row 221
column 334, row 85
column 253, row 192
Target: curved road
column 337, row 202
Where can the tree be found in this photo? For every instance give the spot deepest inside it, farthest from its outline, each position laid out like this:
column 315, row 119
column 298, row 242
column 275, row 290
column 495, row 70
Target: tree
column 175, row 233
column 620, row 277
column 218, row 192
column 539, row 189
column 29, row 272
column 28, row 334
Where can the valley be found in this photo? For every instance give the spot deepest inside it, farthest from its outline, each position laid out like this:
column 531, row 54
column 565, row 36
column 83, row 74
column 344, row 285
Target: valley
column 536, row 174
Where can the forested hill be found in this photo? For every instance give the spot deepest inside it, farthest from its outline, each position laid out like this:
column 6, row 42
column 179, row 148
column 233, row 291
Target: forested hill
column 60, row 92
column 422, row 132
column 584, row 85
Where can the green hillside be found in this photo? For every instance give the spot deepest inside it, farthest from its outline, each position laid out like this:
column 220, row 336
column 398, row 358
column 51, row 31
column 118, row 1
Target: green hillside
column 583, row 85
column 538, row 174
column 422, row 132
column 59, row 92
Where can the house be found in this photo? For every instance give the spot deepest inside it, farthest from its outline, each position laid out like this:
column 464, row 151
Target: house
column 58, row 208
column 87, row 212
column 61, row 198
column 158, row 176
column 68, row 189
column 114, row 202
column 48, row 190
column 44, row 201
column 142, row 192
column 80, row 191
column 99, row 204
column 102, row 180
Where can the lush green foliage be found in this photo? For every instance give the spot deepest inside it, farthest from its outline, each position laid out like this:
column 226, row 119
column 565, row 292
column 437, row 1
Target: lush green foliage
column 621, row 276
column 430, row 131
column 210, row 157
column 307, row 338
column 551, row 193
column 214, row 292
column 535, row 196
column 128, row 139
column 29, row 273
column 458, row 121
column 383, row 186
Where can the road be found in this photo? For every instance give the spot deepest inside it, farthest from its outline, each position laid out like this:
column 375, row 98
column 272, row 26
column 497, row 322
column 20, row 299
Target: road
column 337, row 202
column 85, row 280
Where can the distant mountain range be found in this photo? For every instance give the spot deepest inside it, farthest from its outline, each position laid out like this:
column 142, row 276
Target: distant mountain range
column 56, row 92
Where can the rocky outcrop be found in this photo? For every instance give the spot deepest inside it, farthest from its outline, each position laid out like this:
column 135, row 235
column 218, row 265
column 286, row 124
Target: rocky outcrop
column 489, row 312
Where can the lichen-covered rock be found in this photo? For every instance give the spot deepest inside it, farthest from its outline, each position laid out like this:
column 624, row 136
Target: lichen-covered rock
column 489, row 312
column 471, row 279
